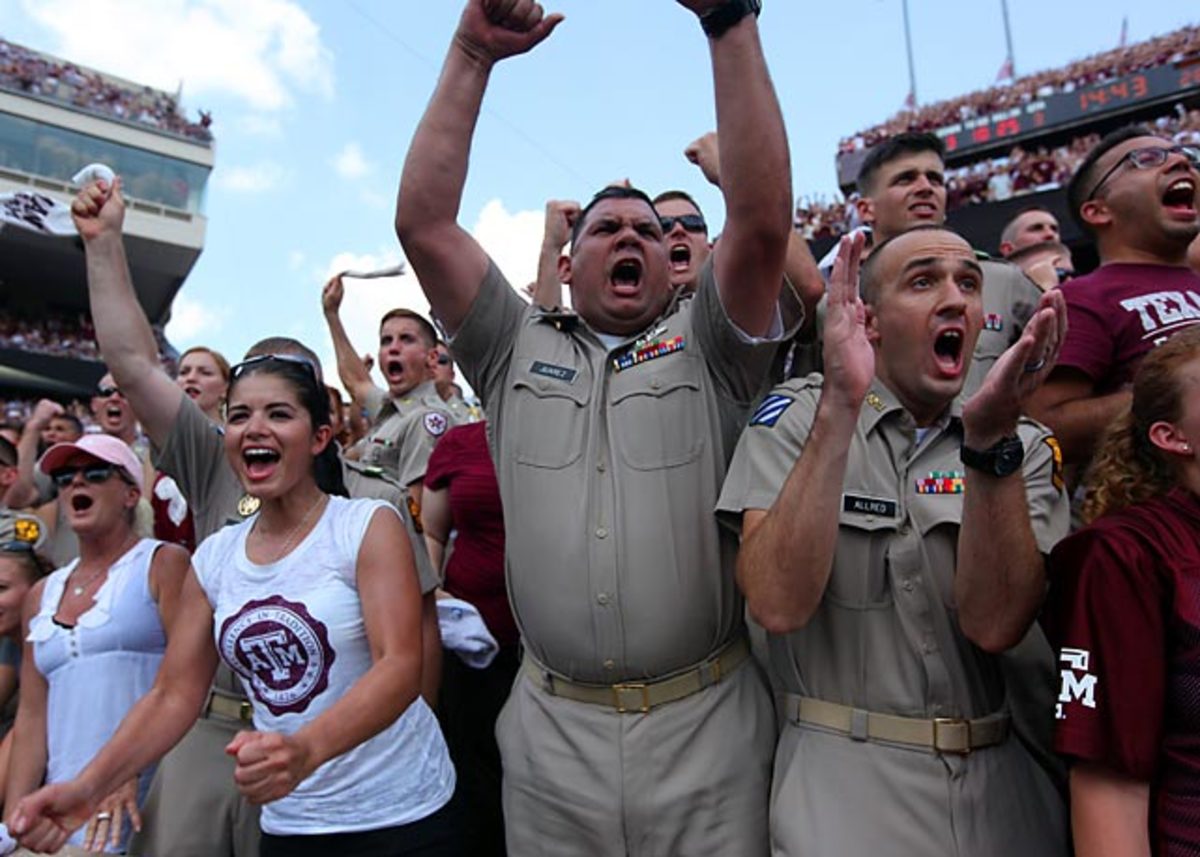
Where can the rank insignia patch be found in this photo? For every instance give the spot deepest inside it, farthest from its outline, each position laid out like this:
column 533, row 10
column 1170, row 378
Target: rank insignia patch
column 771, row 410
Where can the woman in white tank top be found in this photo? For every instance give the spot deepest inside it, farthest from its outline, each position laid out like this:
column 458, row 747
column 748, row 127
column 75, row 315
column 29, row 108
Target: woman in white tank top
column 314, row 602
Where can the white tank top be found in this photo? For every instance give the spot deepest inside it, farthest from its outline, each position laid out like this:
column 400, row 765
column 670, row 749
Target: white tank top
column 293, row 632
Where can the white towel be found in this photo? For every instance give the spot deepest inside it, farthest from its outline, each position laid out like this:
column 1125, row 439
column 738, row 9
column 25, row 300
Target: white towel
column 465, row 634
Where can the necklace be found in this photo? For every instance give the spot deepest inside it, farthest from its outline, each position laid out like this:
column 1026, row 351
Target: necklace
column 295, row 531
column 78, row 588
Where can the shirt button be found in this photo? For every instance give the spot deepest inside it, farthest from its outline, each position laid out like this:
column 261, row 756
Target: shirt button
column 600, row 466
column 608, row 663
column 655, row 383
column 908, row 586
column 927, row 647
column 904, row 529
column 542, row 385
column 601, row 532
column 602, row 598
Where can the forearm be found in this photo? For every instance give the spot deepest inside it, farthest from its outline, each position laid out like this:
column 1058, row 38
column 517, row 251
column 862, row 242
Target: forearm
column 998, row 592
column 547, row 290
column 122, row 331
column 802, row 272
column 27, row 760
column 431, row 649
column 783, row 566
column 23, row 492
column 1079, row 423
column 371, row 705
column 1109, row 813
column 351, row 371
column 437, row 550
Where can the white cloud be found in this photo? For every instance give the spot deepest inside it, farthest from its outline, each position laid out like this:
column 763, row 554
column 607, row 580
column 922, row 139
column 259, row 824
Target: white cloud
column 192, row 320
column 257, row 178
column 258, row 125
column 350, row 163
column 512, row 239
column 260, row 51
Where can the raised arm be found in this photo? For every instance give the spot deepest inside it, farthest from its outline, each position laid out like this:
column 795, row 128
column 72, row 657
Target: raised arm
column 24, row 492
column 756, row 177
column 560, row 219
column 787, row 551
column 351, row 369
column 122, row 331
column 448, row 261
column 998, row 593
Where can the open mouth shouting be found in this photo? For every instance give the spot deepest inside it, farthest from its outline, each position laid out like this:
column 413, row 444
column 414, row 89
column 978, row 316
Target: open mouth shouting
column 393, row 370
column 626, row 276
column 948, row 355
column 1180, row 198
column 680, row 258
column 924, row 210
column 260, row 462
column 81, row 502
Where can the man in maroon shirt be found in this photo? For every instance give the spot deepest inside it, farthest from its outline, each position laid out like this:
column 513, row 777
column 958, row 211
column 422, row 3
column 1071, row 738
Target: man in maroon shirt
column 1137, row 194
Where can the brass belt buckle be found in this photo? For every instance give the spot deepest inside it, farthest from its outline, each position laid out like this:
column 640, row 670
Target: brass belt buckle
column 963, row 727
column 634, row 687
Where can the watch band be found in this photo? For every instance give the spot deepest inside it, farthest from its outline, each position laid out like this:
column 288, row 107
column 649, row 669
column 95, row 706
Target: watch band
column 716, row 22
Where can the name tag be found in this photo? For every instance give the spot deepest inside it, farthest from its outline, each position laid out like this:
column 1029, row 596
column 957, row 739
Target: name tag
column 869, row 505
column 561, row 373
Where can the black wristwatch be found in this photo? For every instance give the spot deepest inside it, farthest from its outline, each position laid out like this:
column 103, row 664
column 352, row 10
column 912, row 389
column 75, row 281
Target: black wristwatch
column 1003, row 459
column 716, row 21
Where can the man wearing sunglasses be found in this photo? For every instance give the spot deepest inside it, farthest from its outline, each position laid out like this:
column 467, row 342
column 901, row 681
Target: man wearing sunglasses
column 1137, row 194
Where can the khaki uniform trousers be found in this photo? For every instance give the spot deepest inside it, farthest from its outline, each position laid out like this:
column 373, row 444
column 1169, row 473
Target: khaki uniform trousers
column 690, row 778
column 194, row 808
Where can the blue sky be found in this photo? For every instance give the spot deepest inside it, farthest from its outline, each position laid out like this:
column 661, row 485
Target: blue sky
column 315, row 103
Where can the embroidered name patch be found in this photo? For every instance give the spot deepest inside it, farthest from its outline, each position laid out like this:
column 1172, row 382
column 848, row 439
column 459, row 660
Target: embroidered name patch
column 649, row 351
column 549, row 370
column 863, row 505
column 993, row 321
column 771, row 410
column 941, row 482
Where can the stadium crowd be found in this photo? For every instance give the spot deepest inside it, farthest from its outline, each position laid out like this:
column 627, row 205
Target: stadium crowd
column 737, row 555
column 1098, row 68
column 64, row 334
column 31, row 73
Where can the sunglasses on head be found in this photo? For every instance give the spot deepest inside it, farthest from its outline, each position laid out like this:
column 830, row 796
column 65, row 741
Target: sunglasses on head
column 690, row 222
column 1147, row 158
column 106, row 391
column 93, row 474
column 292, row 359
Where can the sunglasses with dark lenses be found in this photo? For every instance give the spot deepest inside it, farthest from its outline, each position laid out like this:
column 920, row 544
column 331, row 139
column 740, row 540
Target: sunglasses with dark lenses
column 443, row 360
column 105, row 392
column 292, row 359
column 1063, row 275
column 690, row 222
column 93, row 474
column 1147, row 158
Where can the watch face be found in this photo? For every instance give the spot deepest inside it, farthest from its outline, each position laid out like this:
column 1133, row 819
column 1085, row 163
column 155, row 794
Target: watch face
column 1009, row 457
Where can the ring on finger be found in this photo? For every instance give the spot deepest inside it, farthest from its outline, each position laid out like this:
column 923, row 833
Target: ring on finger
column 1036, row 366
column 104, row 816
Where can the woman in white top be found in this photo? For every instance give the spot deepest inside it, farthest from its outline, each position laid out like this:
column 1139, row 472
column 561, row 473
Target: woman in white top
column 96, row 630
column 314, row 602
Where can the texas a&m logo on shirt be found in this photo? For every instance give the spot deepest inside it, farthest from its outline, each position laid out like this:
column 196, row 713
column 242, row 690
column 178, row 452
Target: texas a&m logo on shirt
column 1078, row 685
column 283, row 652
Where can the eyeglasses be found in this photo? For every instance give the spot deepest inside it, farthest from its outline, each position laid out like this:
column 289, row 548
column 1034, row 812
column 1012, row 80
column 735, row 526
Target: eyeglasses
column 1147, row 158
column 1063, row 275
column 105, row 392
column 257, row 360
column 690, row 222
column 93, row 474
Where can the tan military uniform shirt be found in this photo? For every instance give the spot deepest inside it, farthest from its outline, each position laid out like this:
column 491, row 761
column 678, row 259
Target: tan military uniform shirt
column 885, row 638
column 610, row 460
column 1009, row 301
column 404, row 431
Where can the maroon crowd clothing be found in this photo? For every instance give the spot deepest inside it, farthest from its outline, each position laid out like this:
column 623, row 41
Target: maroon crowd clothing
column 475, row 571
column 1119, row 312
column 1124, row 617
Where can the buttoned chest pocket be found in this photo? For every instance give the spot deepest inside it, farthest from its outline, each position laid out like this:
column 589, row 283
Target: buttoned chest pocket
column 550, row 418
column 938, row 518
column 859, row 578
column 658, row 414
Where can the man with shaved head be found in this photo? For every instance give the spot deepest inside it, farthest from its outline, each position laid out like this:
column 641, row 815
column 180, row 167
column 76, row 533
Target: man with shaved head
column 1033, row 225
column 893, row 535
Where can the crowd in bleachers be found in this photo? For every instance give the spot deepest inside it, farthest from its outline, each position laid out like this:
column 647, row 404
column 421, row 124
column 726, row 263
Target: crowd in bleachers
column 1085, row 72
column 64, row 334
column 34, row 74
column 1021, row 171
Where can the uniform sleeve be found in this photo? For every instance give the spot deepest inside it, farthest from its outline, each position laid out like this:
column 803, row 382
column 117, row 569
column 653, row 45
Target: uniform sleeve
column 483, row 344
column 1089, row 343
column 740, row 364
column 1045, row 491
column 768, row 449
column 193, row 455
column 420, row 437
column 1108, row 616
column 376, row 399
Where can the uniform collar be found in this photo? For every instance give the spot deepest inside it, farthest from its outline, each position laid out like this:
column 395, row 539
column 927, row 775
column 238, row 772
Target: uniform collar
column 881, row 401
column 569, row 321
column 419, row 393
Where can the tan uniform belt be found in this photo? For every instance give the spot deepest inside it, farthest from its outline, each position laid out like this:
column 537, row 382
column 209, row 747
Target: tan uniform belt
column 229, row 706
column 641, row 696
column 943, row 734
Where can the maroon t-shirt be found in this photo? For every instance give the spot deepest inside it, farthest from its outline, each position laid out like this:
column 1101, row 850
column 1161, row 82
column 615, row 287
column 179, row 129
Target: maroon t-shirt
column 1119, row 312
column 475, row 572
column 1124, row 618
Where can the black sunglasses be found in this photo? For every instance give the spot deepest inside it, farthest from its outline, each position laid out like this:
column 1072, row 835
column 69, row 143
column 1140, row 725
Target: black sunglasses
column 93, row 474
column 105, row 392
column 293, row 359
column 1147, row 158
column 442, row 359
column 690, row 222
